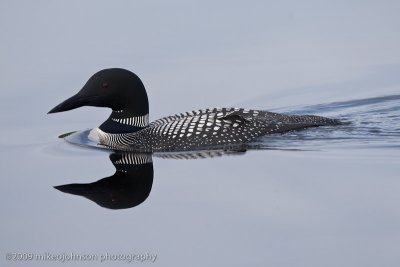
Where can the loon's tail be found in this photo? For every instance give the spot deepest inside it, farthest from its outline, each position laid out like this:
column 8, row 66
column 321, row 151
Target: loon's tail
column 300, row 122
column 314, row 120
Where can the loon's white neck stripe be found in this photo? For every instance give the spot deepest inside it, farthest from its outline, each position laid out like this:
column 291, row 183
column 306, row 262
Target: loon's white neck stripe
column 139, row 121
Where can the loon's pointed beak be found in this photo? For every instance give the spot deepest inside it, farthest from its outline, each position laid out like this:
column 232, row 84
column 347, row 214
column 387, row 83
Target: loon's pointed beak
column 73, row 102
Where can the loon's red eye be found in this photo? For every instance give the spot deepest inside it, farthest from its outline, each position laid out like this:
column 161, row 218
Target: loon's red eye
column 104, row 84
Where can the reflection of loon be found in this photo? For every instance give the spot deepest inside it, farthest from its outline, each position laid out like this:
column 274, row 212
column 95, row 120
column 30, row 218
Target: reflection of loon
column 128, row 187
column 128, row 128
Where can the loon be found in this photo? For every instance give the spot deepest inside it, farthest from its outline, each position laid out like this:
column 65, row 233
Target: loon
column 128, row 127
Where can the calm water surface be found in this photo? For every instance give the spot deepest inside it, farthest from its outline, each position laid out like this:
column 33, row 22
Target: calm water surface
column 320, row 195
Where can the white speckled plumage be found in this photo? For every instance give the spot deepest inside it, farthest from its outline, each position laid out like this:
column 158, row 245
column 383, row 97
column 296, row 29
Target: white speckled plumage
column 207, row 128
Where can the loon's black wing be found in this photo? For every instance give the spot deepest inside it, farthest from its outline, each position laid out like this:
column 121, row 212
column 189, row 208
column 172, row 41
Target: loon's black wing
column 209, row 129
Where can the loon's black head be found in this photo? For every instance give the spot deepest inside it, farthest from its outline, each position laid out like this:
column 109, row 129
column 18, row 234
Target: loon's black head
column 115, row 88
column 118, row 89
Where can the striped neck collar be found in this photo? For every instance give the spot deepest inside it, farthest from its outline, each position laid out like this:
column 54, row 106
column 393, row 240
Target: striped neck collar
column 137, row 121
column 124, row 121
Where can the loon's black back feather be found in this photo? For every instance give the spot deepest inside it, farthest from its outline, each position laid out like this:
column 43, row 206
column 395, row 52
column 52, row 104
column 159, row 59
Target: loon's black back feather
column 209, row 128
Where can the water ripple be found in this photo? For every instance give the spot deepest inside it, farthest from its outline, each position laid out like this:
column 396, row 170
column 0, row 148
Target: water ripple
column 373, row 122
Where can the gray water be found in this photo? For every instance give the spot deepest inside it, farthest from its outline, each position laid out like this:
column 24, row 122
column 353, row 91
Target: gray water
column 326, row 196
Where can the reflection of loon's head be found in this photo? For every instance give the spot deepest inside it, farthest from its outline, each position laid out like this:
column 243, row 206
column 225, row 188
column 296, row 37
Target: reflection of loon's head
column 128, row 187
column 118, row 89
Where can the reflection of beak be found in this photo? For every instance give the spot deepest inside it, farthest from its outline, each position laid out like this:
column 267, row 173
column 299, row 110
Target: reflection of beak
column 75, row 189
column 73, row 102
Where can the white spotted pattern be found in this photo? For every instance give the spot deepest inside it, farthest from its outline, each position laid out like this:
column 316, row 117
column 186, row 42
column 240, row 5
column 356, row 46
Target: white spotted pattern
column 205, row 129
